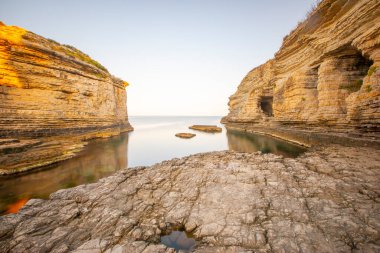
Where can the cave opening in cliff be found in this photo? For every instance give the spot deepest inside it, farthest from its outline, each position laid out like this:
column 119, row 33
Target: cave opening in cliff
column 355, row 66
column 361, row 65
column 266, row 105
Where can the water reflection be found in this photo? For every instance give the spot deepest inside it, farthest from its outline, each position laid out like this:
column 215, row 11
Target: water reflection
column 178, row 240
column 247, row 142
column 152, row 141
column 14, row 207
column 99, row 159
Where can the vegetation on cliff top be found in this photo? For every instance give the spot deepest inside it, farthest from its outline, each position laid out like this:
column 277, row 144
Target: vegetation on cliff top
column 308, row 15
column 18, row 36
column 76, row 53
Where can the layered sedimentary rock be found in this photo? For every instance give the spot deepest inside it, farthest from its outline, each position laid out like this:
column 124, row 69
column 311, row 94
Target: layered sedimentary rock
column 327, row 73
column 49, row 91
column 324, row 201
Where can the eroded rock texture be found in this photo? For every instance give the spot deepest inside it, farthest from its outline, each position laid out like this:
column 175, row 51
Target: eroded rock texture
column 327, row 72
column 324, row 201
column 48, row 89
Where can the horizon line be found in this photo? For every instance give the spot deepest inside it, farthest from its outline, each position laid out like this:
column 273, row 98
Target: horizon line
column 175, row 116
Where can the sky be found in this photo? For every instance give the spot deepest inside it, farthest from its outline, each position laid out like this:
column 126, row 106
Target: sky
column 181, row 57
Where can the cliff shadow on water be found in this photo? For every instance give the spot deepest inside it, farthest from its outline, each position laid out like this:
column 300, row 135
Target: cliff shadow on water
column 250, row 143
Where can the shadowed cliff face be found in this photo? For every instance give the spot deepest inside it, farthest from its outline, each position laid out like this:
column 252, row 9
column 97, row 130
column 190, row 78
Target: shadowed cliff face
column 250, row 143
column 53, row 97
column 327, row 72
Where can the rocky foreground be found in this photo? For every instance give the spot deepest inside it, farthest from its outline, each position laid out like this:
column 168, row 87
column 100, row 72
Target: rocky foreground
column 327, row 200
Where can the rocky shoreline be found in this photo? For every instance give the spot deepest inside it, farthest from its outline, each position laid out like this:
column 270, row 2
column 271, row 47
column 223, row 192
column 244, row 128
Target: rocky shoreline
column 24, row 155
column 321, row 90
column 308, row 137
column 326, row 200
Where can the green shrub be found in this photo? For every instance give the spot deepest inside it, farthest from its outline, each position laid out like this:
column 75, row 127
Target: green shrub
column 371, row 70
column 73, row 52
column 353, row 86
column 52, row 41
column 308, row 15
column 368, row 88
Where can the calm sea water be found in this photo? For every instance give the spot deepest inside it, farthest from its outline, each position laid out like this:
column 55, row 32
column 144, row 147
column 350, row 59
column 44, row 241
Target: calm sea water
column 152, row 141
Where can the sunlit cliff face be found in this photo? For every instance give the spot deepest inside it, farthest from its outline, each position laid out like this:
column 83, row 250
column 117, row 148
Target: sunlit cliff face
column 16, row 42
column 53, row 90
column 10, row 36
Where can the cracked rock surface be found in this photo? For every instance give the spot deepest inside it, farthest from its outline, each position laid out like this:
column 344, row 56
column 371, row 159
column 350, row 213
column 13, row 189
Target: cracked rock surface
column 327, row 200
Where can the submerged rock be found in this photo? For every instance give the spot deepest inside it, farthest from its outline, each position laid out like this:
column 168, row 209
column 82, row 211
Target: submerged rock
column 206, row 128
column 327, row 200
column 185, row 135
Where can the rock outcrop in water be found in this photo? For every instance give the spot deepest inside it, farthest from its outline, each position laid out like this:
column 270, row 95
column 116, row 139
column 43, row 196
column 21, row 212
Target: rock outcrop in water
column 326, row 74
column 327, row 200
column 206, row 128
column 185, row 135
column 53, row 97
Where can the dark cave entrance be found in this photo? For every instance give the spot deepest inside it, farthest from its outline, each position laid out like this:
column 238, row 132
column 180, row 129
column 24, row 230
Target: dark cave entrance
column 266, row 105
column 354, row 66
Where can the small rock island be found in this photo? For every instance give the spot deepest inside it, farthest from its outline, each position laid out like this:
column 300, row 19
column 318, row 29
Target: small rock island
column 185, row 135
column 206, row 128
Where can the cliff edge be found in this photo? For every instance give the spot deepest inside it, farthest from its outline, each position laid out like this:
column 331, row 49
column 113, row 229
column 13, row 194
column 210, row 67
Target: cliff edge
column 326, row 74
column 53, row 98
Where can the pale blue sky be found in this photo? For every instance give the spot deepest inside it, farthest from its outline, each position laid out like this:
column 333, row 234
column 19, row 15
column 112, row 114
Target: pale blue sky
column 181, row 57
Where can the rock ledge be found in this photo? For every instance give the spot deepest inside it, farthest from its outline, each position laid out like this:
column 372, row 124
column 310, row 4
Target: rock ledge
column 324, row 201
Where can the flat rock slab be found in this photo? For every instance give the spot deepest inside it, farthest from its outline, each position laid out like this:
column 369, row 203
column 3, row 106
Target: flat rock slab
column 206, row 128
column 327, row 200
column 185, row 135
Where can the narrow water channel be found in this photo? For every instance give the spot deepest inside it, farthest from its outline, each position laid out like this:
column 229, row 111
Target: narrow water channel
column 152, row 141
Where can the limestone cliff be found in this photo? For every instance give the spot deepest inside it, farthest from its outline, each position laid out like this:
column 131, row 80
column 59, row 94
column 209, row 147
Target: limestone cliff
column 326, row 73
column 53, row 96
